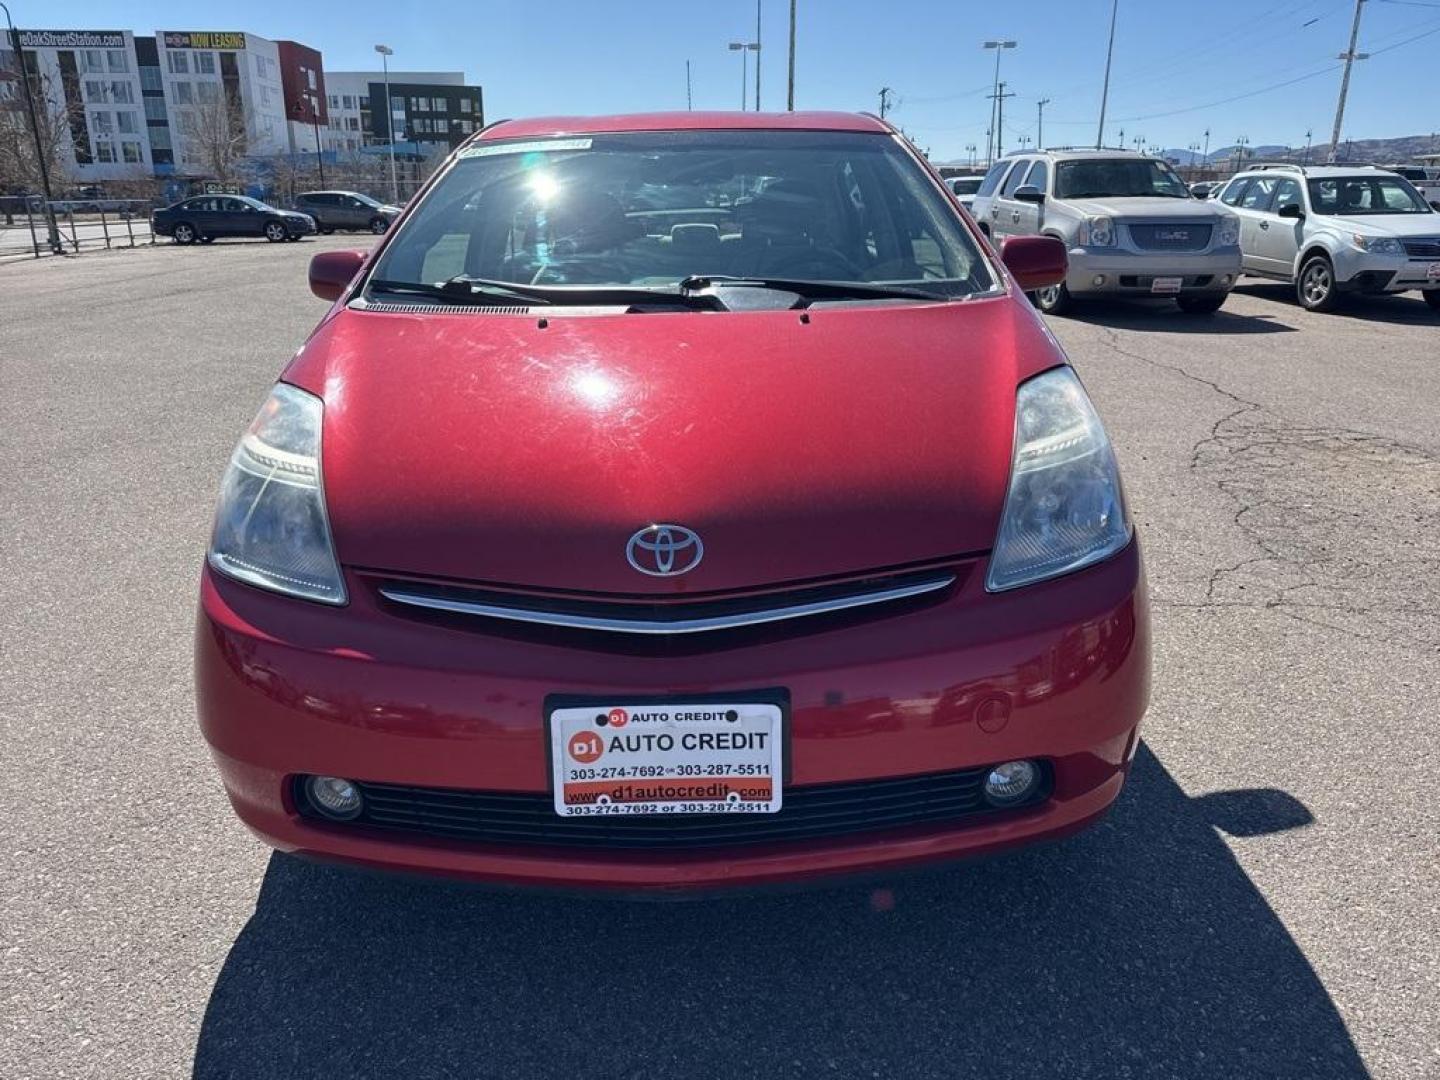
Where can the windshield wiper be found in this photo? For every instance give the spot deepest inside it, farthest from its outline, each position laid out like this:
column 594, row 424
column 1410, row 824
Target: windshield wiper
column 597, row 295
column 812, row 290
column 445, row 290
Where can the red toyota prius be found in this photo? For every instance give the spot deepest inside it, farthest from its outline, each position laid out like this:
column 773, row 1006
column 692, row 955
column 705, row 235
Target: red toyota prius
column 674, row 501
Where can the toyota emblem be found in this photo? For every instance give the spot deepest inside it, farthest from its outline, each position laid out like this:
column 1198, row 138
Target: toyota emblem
column 664, row 550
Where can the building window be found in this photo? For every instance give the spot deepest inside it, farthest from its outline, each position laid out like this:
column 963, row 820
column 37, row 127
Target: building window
column 207, row 93
column 117, row 60
column 352, row 123
column 90, row 60
column 310, row 79
column 130, row 152
column 94, row 91
column 150, row 81
column 347, row 101
column 465, row 127
column 159, row 140
column 154, row 108
column 179, row 62
column 122, row 92
column 185, row 93
column 364, row 101
column 334, row 101
column 102, row 123
column 105, row 153
column 205, row 63
column 126, row 123
column 262, row 65
column 466, row 105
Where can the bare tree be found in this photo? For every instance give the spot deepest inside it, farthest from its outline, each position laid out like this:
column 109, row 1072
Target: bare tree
column 19, row 166
column 217, row 138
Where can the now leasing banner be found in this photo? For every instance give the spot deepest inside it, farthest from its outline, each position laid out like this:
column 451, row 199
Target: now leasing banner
column 620, row 758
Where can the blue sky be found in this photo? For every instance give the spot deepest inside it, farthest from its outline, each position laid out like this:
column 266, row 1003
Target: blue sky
column 1177, row 62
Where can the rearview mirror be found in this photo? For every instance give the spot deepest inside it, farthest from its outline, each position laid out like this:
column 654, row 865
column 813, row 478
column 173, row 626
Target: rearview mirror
column 1029, row 193
column 1035, row 262
column 1291, row 210
column 332, row 271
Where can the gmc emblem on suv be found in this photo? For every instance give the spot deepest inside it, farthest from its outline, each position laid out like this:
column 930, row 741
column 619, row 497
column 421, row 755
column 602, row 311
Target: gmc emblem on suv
column 1170, row 235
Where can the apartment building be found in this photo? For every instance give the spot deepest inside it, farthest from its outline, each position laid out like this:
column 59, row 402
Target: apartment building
column 430, row 111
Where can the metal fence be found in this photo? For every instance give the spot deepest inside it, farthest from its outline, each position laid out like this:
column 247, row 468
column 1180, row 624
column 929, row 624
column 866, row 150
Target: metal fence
column 86, row 224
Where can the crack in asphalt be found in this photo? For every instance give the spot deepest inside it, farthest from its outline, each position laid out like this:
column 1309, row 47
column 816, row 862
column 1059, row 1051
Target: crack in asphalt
column 1344, row 520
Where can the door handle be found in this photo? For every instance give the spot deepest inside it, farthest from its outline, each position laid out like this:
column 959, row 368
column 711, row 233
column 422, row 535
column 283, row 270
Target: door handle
column 1264, row 225
column 1015, row 216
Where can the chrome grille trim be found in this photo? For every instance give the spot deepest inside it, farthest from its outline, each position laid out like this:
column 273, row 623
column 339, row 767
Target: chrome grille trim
column 651, row 626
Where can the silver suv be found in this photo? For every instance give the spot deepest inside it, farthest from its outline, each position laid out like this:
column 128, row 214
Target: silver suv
column 1335, row 229
column 1130, row 224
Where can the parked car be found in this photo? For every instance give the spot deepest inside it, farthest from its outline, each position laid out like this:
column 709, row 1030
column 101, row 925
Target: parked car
column 666, row 550
column 1129, row 223
column 347, row 210
column 1333, row 230
column 208, row 217
column 965, row 188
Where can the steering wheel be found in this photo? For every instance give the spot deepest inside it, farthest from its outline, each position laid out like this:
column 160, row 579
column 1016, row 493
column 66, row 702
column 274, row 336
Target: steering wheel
column 595, row 272
column 815, row 262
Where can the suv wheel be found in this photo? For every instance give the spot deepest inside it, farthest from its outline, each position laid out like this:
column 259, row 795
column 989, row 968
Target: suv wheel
column 1056, row 300
column 1315, row 288
column 1203, row 304
column 1432, row 297
column 275, row 231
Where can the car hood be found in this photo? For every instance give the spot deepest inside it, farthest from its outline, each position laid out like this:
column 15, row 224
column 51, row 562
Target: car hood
column 515, row 450
column 1169, row 209
column 1388, row 224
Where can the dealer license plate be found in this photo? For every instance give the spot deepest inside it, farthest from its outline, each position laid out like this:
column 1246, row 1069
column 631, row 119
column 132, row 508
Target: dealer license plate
column 622, row 758
column 1166, row 285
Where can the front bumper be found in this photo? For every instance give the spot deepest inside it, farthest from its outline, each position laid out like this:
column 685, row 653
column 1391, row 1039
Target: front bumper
column 1366, row 272
column 301, row 226
column 1058, row 671
column 1130, row 273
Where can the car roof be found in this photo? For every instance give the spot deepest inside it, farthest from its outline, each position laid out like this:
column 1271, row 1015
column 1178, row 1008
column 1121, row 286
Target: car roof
column 542, row 126
column 1314, row 172
column 1082, row 155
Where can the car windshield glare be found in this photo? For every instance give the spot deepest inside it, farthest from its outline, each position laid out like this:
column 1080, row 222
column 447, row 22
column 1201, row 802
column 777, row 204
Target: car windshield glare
column 656, row 208
column 1348, row 196
column 1097, row 178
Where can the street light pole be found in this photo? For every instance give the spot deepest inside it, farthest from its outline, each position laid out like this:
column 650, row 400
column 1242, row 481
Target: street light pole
column 1105, row 92
column 744, row 48
column 790, row 86
column 757, row 54
column 385, row 53
column 1349, row 56
column 992, row 140
column 53, row 231
column 1040, row 123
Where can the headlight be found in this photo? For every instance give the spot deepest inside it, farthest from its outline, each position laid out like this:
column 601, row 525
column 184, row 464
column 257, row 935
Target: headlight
column 1227, row 233
column 1378, row 245
column 1064, row 509
column 1097, row 232
column 270, row 527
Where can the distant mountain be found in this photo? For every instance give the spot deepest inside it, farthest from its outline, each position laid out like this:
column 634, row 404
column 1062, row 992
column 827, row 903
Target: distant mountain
column 1383, row 151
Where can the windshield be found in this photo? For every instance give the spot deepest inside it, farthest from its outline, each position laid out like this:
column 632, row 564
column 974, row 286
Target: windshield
column 968, row 186
column 366, row 199
column 655, row 208
column 1097, row 178
column 1349, row 196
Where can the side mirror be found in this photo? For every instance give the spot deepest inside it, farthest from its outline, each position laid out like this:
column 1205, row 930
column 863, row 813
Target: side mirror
column 1035, row 262
column 1029, row 193
column 1291, row 210
column 332, row 271
column 1435, row 204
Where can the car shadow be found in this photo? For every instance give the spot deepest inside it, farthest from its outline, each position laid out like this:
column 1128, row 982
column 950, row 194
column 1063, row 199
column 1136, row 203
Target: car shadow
column 1163, row 317
column 1137, row 949
column 1406, row 309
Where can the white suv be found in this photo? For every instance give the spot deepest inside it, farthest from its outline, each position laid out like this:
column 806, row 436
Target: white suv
column 1334, row 230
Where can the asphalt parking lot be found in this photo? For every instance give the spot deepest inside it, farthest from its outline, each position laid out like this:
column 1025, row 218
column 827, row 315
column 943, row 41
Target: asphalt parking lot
column 1264, row 901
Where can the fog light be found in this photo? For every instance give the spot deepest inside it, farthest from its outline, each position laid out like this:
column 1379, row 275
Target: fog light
column 1011, row 782
column 1226, row 279
column 335, row 797
column 1099, row 280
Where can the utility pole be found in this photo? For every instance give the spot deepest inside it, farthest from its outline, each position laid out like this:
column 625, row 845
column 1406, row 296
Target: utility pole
column 1309, row 134
column 1349, row 56
column 790, row 83
column 1105, row 93
column 757, row 54
column 1207, row 148
column 53, row 231
column 1040, row 123
column 999, row 46
column 1000, row 97
column 885, row 93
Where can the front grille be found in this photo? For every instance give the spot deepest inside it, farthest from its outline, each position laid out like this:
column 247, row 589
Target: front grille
column 1424, row 248
column 1170, row 237
column 826, row 810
